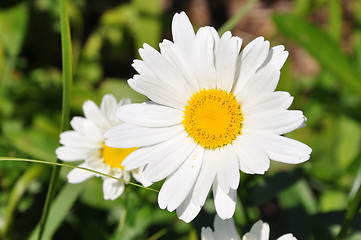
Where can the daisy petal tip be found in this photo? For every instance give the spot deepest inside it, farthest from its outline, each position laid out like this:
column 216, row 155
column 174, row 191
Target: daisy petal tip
column 145, row 182
column 162, row 202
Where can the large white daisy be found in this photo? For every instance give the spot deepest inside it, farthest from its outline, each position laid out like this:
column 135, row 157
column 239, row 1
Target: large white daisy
column 86, row 142
column 226, row 230
column 213, row 111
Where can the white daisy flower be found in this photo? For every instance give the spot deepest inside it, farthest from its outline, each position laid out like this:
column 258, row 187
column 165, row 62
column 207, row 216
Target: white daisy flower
column 213, row 112
column 86, row 142
column 226, row 230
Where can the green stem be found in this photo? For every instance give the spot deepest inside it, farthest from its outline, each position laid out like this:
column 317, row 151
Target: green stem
column 232, row 22
column 67, row 84
column 71, row 166
column 351, row 211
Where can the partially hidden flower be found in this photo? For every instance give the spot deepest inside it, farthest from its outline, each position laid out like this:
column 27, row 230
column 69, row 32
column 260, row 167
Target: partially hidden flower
column 86, row 142
column 213, row 111
column 226, row 230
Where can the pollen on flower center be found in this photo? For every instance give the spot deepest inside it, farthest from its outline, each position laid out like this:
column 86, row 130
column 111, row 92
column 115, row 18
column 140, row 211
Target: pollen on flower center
column 213, row 118
column 115, row 156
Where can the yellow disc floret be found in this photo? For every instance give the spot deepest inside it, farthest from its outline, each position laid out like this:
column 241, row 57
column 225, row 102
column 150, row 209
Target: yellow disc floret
column 115, row 156
column 213, row 118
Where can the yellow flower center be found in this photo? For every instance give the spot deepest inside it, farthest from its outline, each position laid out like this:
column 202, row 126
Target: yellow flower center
column 115, row 156
column 213, row 118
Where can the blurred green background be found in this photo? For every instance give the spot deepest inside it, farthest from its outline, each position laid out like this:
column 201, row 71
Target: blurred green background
column 323, row 73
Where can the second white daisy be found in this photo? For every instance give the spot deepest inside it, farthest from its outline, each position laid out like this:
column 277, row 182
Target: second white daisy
column 226, row 230
column 86, row 142
column 213, row 112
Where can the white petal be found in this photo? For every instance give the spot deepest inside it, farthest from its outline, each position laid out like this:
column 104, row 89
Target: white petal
column 203, row 57
column 205, row 178
column 228, row 175
column 226, row 226
column 149, row 115
column 112, row 188
column 142, row 68
column 164, row 70
column 139, row 157
column 181, row 61
column 207, row 234
column 249, row 236
column 282, row 149
column 137, row 173
column 276, row 121
column 87, row 128
column 77, row 175
column 276, row 57
column 177, row 186
column 260, row 230
column 249, row 60
column 145, row 182
column 128, row 135
column 71, row 154
column 252, row 158
column 263, row 81
column 158, row 91
column 288, row 236
column 267, row 102
column 108, row 107
column 144, row 155
column 93, row 113
column 160, row 168
column 225, row 203
column 226, row 56
column 187, row 211
column 75, row 139
column 183, row 33
column 77, row 123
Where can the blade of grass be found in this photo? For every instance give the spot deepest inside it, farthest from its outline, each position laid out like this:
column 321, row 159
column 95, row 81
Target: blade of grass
column 354, row 206
column 232, row 22
column 67, row 63
column 16, row 193
column 71, row 166
column 158, row 235
column 322, row 47
column 59, row 210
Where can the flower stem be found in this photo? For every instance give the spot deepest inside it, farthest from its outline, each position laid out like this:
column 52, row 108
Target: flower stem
column 77, row 167
column 67, row 65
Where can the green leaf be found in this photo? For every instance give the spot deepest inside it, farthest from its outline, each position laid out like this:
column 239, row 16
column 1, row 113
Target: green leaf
column 273, row 185
column 332, row 201
column 16, row 194
column 59, row 210
column 322, row 47
column 147, row 27
column 349, row 140
column 335, row 19
column 13, row 22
